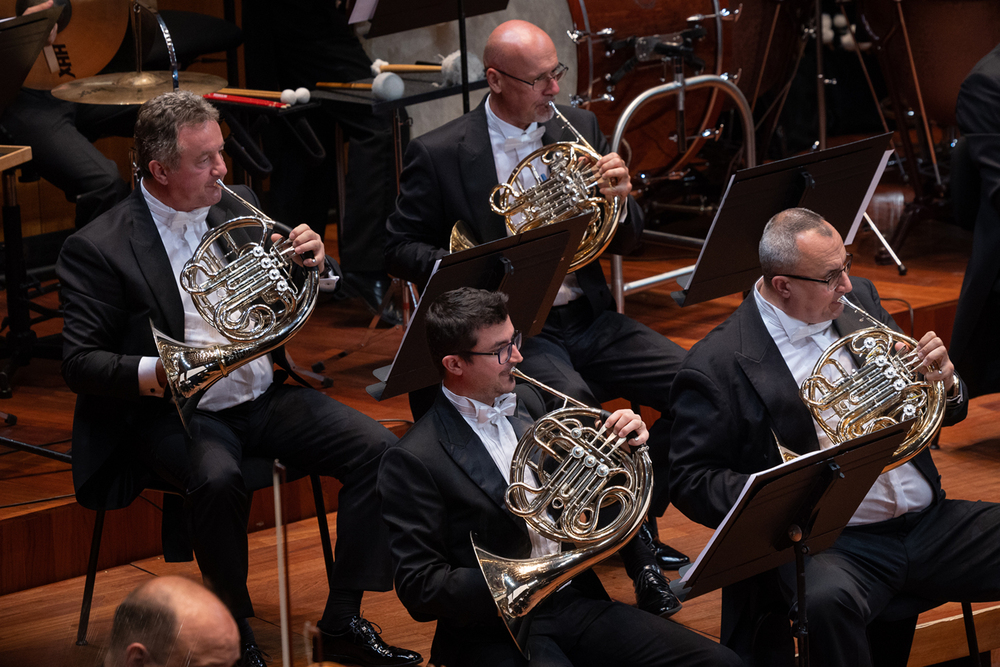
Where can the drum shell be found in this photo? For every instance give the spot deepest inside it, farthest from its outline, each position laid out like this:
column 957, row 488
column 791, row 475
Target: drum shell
column 948, row 37
column 737, row 47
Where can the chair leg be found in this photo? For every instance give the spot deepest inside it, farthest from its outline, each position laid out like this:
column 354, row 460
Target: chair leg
column 324, row 527
column 88, row 587
column 970, row 633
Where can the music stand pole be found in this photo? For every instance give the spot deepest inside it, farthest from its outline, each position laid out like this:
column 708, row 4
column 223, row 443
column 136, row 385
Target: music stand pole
column 463, row 56
column 820, row 77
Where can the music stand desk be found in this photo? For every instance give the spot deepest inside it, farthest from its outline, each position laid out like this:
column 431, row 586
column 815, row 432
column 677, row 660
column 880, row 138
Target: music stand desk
column 528, row 267
column 786, row 512
column 837, row 183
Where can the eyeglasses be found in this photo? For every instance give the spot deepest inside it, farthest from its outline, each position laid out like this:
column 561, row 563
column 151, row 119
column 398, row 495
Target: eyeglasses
column 504, row 353
column 830, row 281
column 554, row 75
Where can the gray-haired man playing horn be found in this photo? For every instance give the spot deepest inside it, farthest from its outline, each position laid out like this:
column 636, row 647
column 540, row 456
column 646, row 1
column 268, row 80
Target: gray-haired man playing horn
column 447, row 478
column 120, row 276
column 737, row 397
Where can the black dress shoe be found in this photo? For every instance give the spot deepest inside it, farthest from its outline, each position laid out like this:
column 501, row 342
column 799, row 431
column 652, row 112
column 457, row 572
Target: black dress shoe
column 360, row 644
column 653, row 594
column 252, row 656
column 666, row 556
column 371, row 287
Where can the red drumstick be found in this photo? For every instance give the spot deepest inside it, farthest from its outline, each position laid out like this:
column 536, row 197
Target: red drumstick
column 246, row 100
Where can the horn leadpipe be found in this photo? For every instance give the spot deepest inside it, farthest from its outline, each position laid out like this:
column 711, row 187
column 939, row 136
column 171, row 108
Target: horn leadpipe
column 544, row 387
column 908, row 357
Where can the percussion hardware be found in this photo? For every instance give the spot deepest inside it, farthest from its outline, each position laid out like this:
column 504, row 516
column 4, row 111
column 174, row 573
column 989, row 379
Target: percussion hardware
column 712, row 134
column 651, row 48
column 722, row 15
column 580, row 36
column 578, row 100
column 884, row 391
column 566, row 471
column 241, row 285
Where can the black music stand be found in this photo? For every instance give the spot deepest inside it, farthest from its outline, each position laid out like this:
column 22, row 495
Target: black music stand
column 837, row 183
column 788, row 511
column 392, row 16
column 528, row 267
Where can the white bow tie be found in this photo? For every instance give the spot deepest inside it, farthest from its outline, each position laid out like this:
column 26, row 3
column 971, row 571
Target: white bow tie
column 529, row 136
column 807, row 330
column 503, row 406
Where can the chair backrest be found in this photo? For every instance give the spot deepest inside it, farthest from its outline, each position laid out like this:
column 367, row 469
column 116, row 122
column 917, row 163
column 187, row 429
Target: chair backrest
column 966, row 187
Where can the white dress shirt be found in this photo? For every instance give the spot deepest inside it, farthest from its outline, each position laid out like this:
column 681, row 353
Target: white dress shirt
column 497, row 435
column 894, row 493
column 181, row 233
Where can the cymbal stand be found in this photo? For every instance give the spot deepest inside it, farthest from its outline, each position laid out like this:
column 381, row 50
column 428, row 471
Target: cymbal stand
column 924, row 197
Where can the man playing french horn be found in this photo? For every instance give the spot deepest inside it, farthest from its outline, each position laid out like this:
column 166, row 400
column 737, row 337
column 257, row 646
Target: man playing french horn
column 587, row 349
column 447, row 478
column 737, row 398
column 120, row 277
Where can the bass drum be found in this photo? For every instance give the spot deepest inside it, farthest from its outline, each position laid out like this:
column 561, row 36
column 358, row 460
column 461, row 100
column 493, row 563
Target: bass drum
column 89, row 34
column 760, row 47
column 936, row 28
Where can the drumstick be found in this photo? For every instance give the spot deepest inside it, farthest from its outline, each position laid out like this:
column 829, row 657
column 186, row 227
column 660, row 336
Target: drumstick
column 338, row 84
column 222, row 97
column 269, row 94
column 409, row 68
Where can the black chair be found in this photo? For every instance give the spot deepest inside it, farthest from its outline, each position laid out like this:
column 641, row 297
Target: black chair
column 965, row 184
column 257, row 474
column 898, row 623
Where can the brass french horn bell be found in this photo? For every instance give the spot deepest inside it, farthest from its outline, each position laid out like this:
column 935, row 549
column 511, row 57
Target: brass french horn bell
column 247, row 293
column 884, row 391
column 571, row 482
column 571, row 189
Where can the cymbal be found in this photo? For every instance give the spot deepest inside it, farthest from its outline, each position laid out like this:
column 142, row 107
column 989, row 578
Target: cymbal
column 134, row 87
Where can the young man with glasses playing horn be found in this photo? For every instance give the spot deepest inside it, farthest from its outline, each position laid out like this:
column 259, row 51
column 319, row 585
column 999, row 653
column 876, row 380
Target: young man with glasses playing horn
column 586, row 350
column 447, row 478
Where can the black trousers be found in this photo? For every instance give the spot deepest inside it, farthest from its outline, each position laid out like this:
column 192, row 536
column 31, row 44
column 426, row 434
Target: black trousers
column 571, row 629
column 60, row 135
column 306, row 430
column 948, row 552
column 595, row 359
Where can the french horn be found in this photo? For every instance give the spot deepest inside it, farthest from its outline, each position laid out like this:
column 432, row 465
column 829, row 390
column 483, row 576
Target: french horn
column 571, row 482
column 242, row 285
column 885, row 390
column 571, row 189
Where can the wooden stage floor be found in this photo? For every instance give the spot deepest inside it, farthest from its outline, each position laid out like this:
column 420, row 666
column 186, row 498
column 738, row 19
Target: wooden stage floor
column 38, row 624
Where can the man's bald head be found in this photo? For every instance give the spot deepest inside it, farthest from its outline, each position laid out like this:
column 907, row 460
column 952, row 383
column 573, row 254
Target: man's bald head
column 171, row 621
column 511, row 41
column 520, row 60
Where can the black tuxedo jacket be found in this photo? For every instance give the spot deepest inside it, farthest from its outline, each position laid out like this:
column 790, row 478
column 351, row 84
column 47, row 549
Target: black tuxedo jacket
column 448, row 175
column 733, row 394
column 973, row 347
column 116, row 280
column 732, row 397
column 438, row 485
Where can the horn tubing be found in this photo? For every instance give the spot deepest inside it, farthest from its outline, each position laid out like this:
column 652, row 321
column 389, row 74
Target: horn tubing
column 544, row 387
